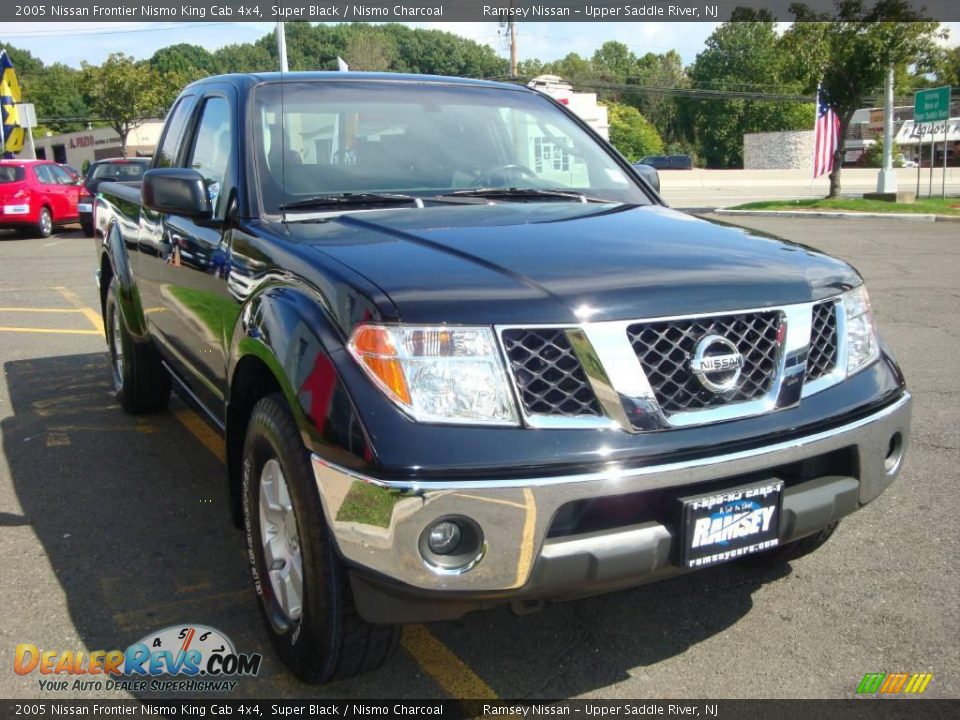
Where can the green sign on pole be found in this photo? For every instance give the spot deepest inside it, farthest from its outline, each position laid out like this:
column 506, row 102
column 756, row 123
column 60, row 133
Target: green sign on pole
column 931, row 105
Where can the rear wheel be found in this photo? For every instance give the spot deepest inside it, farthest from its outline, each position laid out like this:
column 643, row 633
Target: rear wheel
column 44, row 226
column 140, row 381
column 304, row 590
column 87, row 228
column 791, row 550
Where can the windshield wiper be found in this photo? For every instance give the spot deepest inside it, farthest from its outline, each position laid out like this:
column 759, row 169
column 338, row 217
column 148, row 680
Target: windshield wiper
column 513, row 192
column 340, row 199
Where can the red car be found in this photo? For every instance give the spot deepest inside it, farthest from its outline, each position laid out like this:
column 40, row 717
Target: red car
column 36, row 196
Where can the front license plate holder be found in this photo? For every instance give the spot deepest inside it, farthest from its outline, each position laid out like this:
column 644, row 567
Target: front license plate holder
column 727, row 524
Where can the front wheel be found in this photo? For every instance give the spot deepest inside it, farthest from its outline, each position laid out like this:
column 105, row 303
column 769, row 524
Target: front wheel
column 305, row 594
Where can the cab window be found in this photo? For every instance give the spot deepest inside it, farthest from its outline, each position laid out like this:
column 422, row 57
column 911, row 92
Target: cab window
column 212, row 151
column 167, row 151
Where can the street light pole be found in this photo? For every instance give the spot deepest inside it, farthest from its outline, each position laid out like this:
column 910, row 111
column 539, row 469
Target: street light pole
column 282, row 47
column 887, row 179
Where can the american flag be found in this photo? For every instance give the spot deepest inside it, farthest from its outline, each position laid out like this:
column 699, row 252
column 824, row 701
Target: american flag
column 826, row 136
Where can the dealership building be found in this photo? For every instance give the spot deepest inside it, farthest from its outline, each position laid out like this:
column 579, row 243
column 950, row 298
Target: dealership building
column 97, row 143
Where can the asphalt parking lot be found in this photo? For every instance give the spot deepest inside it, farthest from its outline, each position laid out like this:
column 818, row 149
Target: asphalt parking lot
column 112, row 527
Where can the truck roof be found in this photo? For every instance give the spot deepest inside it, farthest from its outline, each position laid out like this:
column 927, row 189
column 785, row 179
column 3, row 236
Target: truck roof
column 247, row 80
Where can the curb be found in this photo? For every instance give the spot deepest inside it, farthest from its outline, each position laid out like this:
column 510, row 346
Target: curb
column 912, row 217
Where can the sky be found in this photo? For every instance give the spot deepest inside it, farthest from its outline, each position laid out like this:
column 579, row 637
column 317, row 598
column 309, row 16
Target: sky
column 71, row 43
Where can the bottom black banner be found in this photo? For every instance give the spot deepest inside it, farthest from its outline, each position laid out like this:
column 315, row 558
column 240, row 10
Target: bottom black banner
column 865, row 708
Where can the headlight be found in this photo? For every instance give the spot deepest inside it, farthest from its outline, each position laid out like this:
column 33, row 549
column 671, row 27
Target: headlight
column 862, row 344
column 438, row 374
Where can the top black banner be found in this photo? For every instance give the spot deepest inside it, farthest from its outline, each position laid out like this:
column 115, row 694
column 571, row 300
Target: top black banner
column 448, row 10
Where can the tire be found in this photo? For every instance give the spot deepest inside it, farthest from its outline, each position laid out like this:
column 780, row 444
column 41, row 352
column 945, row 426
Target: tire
column 87, row 228
column 326, row 639
column 140, row 382
column 44, row 227
column 791, row 550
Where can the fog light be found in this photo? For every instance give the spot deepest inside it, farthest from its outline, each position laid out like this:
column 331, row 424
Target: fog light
column 444, row 537
column 452, row 545
column 894, row 454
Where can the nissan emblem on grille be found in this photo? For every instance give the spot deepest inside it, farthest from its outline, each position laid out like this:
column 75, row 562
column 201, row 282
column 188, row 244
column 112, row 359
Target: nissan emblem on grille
column 716, row 363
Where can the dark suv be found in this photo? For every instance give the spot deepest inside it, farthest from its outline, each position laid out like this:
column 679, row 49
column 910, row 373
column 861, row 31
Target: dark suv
column 668, row 162
column 101, row 171
column 462, row 355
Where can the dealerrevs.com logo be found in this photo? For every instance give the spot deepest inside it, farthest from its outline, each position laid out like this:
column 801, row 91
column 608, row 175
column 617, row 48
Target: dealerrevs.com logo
column 180, row 658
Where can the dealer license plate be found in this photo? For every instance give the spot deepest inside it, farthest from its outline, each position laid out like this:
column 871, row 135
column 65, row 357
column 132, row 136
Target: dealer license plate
column 731, row 524
column 84, row 207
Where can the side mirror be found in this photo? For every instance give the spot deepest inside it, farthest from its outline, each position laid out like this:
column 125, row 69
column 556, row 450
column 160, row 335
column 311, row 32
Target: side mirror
column 176, row 191
column 649, row 174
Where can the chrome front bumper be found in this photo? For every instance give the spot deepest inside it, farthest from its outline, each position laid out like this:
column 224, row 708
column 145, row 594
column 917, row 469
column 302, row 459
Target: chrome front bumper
column 378, row 523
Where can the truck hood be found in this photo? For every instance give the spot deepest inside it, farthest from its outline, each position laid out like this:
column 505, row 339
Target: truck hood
column 567, row 262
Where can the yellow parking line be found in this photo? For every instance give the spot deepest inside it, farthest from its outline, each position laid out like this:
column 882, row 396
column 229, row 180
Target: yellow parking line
column 436, row 659
column 92, row 315
column 442, row 665
column 202, row 432
column 50, row 330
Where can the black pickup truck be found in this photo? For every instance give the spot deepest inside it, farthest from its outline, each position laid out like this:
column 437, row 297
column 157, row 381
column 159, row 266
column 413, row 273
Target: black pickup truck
column 462, row 355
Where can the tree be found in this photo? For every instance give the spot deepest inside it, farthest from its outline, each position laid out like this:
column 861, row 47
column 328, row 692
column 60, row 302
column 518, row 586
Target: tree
column 123, row 92
column 849, row 54
column 57, row 94
column 948, row 67
column 743, row 55
column 630, row 132
column 243, row 58
column 369, row 50
column 660, row 71
column 191, row 62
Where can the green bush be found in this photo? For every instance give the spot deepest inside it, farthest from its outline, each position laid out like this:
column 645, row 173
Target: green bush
column 631, row 133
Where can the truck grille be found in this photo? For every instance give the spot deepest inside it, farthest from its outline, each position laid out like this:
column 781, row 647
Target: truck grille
column 548, row 374
column 824, row 343
column 664, row 349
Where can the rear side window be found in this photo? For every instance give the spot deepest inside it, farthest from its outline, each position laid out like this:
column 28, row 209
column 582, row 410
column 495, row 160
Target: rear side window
column 60, row 175
column 167, row 152
column 45, row 175
column 11, row 173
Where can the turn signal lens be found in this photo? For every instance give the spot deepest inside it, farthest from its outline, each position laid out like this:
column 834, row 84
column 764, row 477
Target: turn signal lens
column 373, row 347
column 438, row 374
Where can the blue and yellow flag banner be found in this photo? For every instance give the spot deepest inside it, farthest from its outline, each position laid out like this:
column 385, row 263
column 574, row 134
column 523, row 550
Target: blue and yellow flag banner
column 11, row 134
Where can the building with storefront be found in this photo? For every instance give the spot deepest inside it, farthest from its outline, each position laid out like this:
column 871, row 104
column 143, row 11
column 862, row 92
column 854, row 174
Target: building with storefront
column 96, row 144
column 793, row 150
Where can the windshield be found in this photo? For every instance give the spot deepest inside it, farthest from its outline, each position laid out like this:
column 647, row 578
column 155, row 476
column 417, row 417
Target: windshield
column 121, row 172
column 11, row 173
column 424, row 139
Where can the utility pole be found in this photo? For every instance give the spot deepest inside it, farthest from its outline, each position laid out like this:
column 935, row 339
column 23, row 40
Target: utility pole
column 887, row 179
column 513, row 49
column 282, row 47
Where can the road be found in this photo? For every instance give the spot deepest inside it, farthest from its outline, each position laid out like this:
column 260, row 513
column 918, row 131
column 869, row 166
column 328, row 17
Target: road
column 112, row 527
column 726, row 188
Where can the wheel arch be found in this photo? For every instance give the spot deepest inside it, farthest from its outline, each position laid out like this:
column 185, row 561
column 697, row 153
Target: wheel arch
column 114, row 263
column 282, row 343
